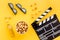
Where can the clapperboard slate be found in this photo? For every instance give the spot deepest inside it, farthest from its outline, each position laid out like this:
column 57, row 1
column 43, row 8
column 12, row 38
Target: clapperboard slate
column 48, row 29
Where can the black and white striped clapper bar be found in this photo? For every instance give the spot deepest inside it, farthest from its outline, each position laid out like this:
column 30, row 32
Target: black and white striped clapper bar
column 40, row 17
column 49, row 28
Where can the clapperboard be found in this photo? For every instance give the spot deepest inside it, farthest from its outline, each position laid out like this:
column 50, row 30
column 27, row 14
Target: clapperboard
column 48, row 29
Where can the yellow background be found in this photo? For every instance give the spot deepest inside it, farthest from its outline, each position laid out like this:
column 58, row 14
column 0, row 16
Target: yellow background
column 34, row 9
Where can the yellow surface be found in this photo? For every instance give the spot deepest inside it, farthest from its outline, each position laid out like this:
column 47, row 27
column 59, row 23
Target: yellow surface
column 34, row 9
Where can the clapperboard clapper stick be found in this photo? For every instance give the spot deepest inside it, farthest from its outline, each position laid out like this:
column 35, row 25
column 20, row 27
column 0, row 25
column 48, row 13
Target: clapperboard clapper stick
column 20, row 7
column 12, row 8
column 40, row 17
column 49, row 28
